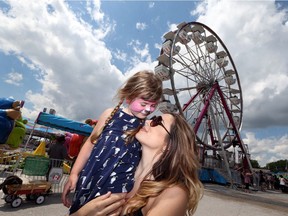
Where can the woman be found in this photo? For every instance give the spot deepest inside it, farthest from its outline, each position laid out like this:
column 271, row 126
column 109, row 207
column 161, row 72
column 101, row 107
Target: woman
column 283, row 182
column 166, row 179
column 247, row 180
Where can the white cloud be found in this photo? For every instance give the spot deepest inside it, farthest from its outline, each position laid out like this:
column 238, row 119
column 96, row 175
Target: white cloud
column 93, row 7
column 141, row 60
column 171, row 27
column 67, row 56
column 72, row 62
column 268, row 149
column 120, row 55
column 14, row 78
column 158, row 46
column 151, row 4
column 141, row 26
column 141, row 53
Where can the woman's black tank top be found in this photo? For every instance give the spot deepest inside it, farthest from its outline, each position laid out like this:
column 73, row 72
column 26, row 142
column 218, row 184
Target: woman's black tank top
column 137, row 213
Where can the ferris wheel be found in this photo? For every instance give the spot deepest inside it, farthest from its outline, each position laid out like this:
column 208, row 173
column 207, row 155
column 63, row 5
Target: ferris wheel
column 201, row 83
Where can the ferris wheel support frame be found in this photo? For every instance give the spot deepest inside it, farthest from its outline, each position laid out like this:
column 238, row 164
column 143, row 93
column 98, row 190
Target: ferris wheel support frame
column 222, row 148
column 204, row 111
column 241, row 144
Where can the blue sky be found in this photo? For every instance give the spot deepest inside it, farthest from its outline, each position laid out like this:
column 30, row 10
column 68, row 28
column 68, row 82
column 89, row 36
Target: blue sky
column 73, row 55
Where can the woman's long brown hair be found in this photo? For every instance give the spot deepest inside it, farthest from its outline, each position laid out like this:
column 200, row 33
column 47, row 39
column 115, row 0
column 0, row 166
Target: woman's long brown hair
column 178, row 165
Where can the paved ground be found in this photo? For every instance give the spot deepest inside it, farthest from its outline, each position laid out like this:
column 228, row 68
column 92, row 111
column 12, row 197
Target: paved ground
column 51, row 207
column 217, row 201
column 222, row 201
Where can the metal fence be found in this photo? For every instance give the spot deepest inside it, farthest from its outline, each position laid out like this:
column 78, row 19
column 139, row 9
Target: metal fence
column 31, row 167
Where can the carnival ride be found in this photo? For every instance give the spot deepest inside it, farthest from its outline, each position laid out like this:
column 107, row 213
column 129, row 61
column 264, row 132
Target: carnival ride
column 12, row 126
column 201, row 83
column 74, row 131
column 33, row 165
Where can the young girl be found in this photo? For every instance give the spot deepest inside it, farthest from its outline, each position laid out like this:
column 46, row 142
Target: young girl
column 110, row 155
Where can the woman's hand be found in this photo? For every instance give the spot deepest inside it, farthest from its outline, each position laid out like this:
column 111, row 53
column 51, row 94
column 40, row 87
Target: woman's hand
column 69, row 186
column 105, row 205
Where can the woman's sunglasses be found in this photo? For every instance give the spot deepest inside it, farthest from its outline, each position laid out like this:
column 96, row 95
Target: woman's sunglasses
column 157, row 120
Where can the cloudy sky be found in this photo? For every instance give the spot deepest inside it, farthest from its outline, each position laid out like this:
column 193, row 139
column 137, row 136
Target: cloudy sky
column 72, row 56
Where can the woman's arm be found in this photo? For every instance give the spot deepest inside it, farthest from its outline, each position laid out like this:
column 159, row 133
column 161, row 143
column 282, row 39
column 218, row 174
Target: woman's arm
column 171, row 202
column 107, row 204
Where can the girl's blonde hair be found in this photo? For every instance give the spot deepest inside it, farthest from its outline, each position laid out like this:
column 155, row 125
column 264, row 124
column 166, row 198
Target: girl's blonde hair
column 143, row 84
column 178, row 165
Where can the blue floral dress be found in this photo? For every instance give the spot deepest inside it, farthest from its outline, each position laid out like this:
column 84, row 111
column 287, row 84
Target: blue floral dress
column 112, row 163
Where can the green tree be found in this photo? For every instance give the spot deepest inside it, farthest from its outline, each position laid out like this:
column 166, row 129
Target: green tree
column 254, row 163
column 280, row 165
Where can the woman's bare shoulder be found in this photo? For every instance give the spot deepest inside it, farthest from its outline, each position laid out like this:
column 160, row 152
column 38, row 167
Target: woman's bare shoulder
column 172, row 201
column 177, row 190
